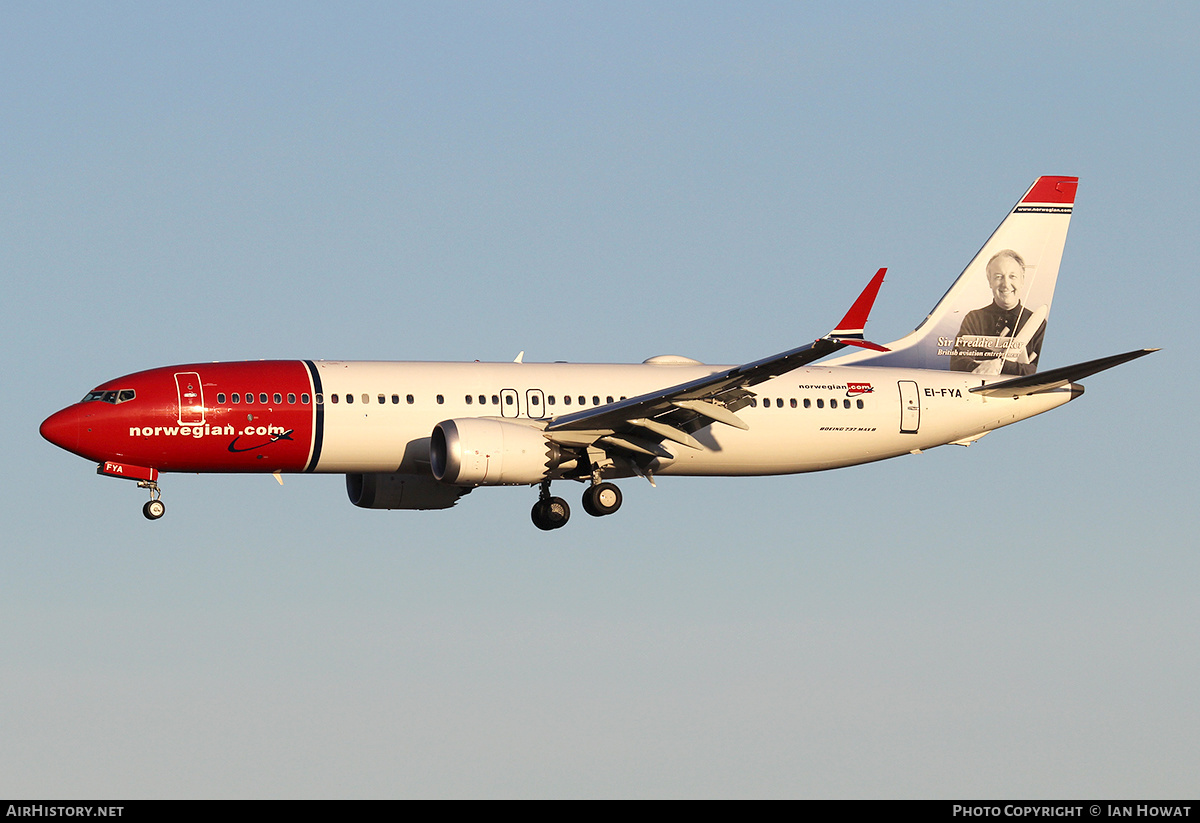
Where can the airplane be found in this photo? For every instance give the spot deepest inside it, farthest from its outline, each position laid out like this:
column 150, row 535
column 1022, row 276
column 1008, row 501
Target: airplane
column 420, row 435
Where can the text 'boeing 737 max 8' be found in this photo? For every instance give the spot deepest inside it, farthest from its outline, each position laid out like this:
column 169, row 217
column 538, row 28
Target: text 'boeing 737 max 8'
column 421, row 435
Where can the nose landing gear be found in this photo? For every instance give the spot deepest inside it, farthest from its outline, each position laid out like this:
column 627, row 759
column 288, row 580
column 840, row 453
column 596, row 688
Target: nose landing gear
column 155, row 508
column 146, row 477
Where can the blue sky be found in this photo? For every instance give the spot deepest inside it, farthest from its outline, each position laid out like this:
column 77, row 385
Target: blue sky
column 596, row 182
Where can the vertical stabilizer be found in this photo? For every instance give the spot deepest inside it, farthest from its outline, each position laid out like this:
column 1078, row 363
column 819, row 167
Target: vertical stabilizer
column 993, row 319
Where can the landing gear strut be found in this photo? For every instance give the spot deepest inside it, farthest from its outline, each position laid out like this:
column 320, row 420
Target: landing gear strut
column 155, row 508
column 549, row 512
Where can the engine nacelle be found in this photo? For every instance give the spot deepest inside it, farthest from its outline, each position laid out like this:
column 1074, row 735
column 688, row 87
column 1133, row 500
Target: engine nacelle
column 400, row 491
column 479, row 451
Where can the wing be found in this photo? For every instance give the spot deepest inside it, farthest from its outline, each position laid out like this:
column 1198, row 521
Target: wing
column 638, row 426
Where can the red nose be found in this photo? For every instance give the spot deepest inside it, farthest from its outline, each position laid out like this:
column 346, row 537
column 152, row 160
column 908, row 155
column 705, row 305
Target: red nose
column 62, row 428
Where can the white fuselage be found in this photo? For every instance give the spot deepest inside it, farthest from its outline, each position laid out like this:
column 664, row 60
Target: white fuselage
column 810, row 419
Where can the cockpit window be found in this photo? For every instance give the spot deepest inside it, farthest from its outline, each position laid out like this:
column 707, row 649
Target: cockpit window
column 110, row 396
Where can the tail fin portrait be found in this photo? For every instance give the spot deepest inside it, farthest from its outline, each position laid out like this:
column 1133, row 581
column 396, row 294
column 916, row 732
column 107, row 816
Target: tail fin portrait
column 992, row 321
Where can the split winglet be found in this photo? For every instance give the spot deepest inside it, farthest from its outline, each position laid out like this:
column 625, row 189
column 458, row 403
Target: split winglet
column 850, row 330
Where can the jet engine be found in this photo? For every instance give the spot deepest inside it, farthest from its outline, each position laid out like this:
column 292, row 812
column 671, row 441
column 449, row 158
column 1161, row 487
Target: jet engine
column 400, row 491
column 480, row 451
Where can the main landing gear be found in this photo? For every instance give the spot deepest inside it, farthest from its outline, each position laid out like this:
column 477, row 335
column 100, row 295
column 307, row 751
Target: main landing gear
column 551, row 513
column 601, row 499
column 155, row 508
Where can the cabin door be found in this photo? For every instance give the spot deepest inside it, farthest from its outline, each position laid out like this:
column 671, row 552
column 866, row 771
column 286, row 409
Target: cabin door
column 191, row 398
column 910, row 408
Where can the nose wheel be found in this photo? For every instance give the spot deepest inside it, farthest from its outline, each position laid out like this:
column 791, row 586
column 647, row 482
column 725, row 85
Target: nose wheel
column 155, row 508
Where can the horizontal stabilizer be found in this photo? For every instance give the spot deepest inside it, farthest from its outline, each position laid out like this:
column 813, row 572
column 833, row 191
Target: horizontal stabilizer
column 1056, row 378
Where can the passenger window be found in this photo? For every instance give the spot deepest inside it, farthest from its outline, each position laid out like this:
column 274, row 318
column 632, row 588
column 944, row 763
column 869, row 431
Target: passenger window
column 820, row 403
column 440, row 400
column 304, row 398
column 550, row 400
column 395, row 399
column 807, row 403
column 262, row 398
column 469, row 399
column 608, row 399
column 779, row 402
column 291, row 398
column 533, row 400
column 508, row 400
column 793, row 401
column 754, row 402
column 221, row 398
column 495, row 400
column 366, row 398
column 846, row 404
column 320, row 399
column 278, row 398
column 566, row 399
column 409, row 399
column 333, row 398
column 349, row 397
column 382, row 400
column 859, row 402
column 483, row 399
column 582, row 400
column 595, row 400
column 236, row 398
